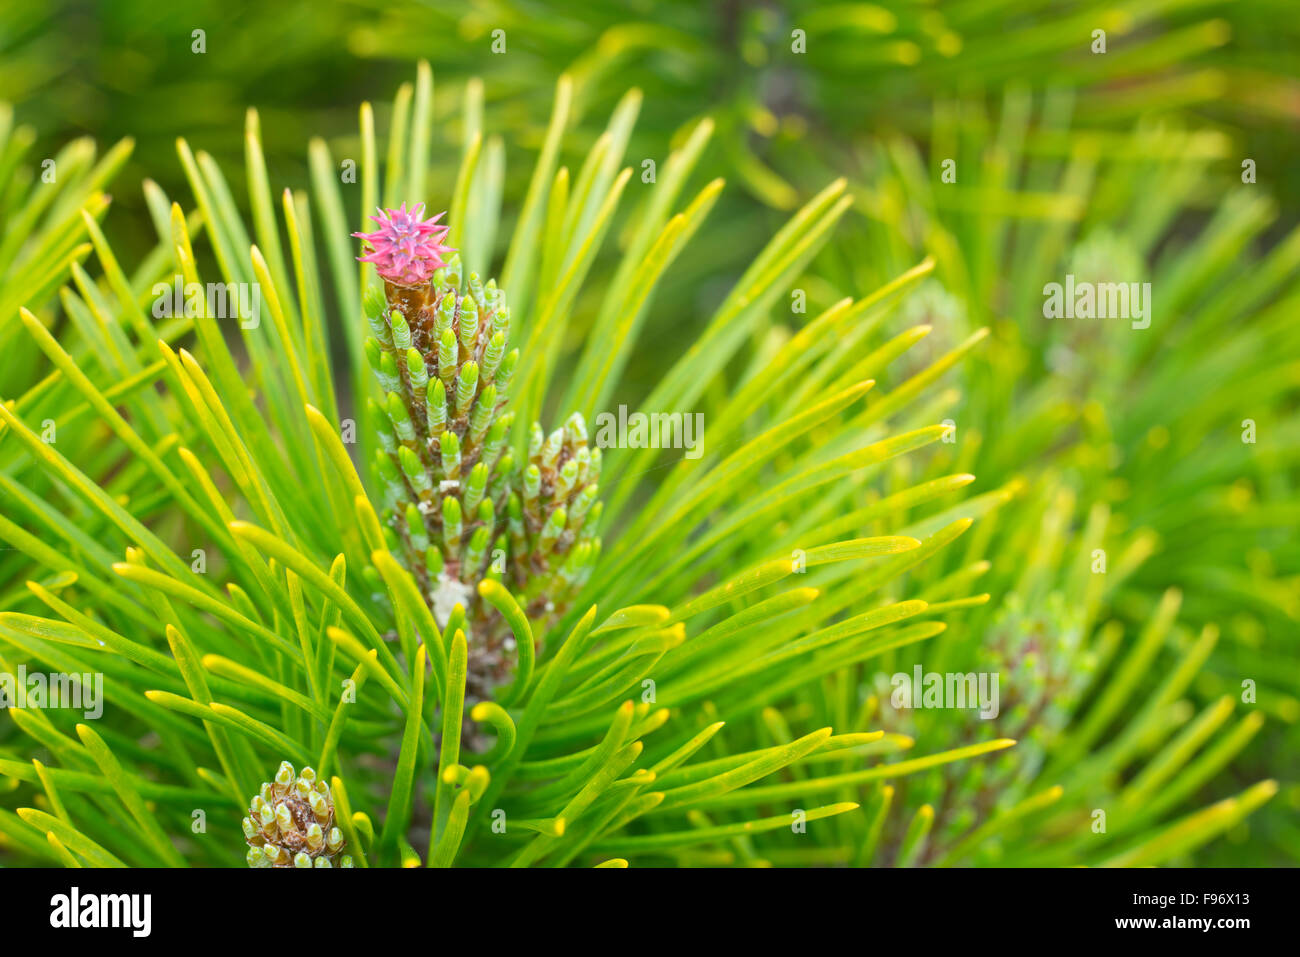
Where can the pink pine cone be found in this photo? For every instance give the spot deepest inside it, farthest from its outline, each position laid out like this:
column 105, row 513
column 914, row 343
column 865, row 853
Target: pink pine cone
column 406, row 249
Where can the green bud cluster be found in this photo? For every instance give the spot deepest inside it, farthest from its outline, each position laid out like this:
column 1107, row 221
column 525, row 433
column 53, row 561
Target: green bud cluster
column 459, row 505
column 440, row 359
column 553, row 515
column 290, row 823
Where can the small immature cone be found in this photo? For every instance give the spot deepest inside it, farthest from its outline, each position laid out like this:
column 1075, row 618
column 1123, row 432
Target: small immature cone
column 290, row 823
column 406, row 250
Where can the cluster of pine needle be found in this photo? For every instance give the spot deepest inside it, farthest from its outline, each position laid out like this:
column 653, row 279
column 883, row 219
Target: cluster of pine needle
column 369, row 576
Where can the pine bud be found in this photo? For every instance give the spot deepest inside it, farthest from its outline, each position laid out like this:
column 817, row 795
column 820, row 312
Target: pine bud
column 299, row 831
column 469, row 323
column 576, row 426
column 401, row 419
column 565, row 481
column 418, row 375
column 453, row 271
column 437, row 401
column 438, row 279
column 466, row 385
column 446, row 315
column 414, row 471
column 501, row 321
column 492, row 355
column 532, row 483
column 507, row 372
column 401, row 331
column 335, row 841
column 315, row 836
column 447, row 356
column 388, row 374
column 375, row 359
column 451, row 525
column 550, row 449
column 582, row 503
column 481, row 417
column 375, row 306
column 475, row 486
column 450, row 450
column 551, row 530
column 377, row 319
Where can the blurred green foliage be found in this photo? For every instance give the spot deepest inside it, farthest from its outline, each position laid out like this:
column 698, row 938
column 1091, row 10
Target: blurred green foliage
column 128, row 68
